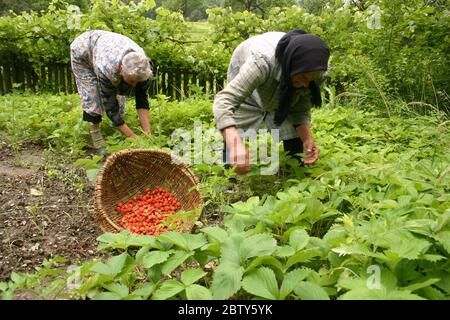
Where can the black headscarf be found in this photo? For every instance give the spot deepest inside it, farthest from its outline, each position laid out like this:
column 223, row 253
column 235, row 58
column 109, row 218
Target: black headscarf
column 299, row 52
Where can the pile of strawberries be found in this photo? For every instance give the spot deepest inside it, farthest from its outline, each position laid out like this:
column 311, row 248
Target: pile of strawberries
column 145, row 213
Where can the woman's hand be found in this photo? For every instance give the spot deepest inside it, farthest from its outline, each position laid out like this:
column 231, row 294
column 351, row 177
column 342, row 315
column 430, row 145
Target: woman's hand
column 311, row 151
column 126, row 131
column 238, row 154
column 144, row 120
column 309, row 147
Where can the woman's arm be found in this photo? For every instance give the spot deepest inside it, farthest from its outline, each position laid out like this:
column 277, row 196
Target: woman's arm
column 309, row 147
column 108, row 95
column 252, row 74
column 142, row 104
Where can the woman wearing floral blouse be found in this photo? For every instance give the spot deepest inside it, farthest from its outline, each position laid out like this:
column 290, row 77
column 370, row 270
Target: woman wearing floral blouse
column 108, row 66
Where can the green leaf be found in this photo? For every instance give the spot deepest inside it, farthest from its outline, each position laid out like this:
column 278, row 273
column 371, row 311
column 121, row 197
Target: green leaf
column 310, row 291
column 258, row 245
column 265, row 260
column 405, row 245
column 441, row 221
column 284, row 251
column 168, row 289
column 92, row 174
column 216, row 233
column 155, row 257
column 262, row 283
column 195, row 241
column 291, row 280
column 186, row 242
column 110, row 237
column 420, row 285
column 431, row 257
column 231, row 250
column 444, row 238
column 197, row 292
column 117, row 288
column 107, row 296
column 3, row 286
column 142, row 252
column 378, row 294
column 226, row 281
column 113, row 267
column 174, row 238
column 298, row 239
column 314, row 209
column 335, row 237
column 302, row 256
column 175, row 261
column 17, row 278
column 431, row 293
column 360, row 249
column 190, row 276
column 144, row 290
column 123, row 240
column 137, row 240
column 149, row 4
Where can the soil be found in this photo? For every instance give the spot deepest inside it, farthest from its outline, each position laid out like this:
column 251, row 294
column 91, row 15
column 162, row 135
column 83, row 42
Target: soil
column 45, row 211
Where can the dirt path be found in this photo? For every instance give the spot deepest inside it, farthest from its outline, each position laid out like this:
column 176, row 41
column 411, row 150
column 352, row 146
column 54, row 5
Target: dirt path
column 45, row 211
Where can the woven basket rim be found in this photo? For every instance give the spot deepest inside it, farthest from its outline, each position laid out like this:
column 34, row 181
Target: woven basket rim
column 101, row 215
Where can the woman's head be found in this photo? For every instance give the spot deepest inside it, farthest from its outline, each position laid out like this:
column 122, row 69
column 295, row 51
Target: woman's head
column 303, row 79
column 303, row 58
column 301, row 53
column 135, row 68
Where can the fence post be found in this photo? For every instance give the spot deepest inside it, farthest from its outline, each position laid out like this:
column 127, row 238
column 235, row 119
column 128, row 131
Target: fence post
column 178, row 88
column 55, row 78
column 163, row 82
column 219, row 84
column 7, row 77
column 69, row 79
column 2, row 91
column 34, row 79
column 20, row 76
column 186, row 83
column 170, row 84
column 203, row 83
column 58, row 77
column 62, row 78
column 28, row 74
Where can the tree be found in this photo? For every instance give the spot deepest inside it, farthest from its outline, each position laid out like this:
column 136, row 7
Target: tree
column 313, row 6
column 191, row 9
column 35, row 5
column 257, row 6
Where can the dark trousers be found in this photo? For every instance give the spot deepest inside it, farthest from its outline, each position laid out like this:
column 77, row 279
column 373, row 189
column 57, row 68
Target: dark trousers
column 91, row 118
column 293, row 146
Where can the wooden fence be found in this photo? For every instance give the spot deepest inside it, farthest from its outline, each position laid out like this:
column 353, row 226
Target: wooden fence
column 58, row 78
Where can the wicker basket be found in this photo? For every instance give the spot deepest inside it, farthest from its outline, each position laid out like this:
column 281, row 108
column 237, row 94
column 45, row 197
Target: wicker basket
column 127, row 173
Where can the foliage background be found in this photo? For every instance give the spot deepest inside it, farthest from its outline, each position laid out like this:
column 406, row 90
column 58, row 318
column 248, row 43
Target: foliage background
column 379, row 48
column 378, row 198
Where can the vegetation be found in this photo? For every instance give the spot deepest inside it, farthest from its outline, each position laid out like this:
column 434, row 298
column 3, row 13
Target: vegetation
column 391, row 50
column 377, row 200
column 370, row 220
